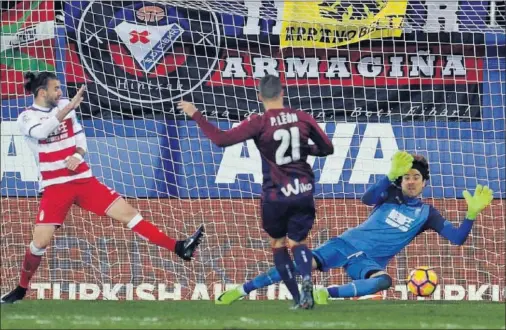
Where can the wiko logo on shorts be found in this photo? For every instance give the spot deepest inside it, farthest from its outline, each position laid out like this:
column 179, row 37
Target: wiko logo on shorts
column 296, row 188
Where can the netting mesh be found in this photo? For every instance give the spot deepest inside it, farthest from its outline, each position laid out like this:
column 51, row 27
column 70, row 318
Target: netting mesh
column 437, row 89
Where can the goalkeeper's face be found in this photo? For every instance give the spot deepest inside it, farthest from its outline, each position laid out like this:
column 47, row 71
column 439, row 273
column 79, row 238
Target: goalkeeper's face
column 412, row 183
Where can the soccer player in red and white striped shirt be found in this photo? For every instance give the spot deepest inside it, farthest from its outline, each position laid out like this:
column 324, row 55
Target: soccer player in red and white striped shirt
column 52, row 132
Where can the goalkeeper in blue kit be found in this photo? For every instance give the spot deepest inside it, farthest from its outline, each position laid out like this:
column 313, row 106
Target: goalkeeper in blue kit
column 398, row 216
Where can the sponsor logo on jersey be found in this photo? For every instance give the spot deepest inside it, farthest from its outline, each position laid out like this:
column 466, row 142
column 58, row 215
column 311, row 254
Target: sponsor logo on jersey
column 297, row 188
column 399, row 220
column 64, row 130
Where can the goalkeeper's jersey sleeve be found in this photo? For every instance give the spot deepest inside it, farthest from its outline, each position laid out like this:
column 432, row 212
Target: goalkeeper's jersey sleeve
column 392, row 225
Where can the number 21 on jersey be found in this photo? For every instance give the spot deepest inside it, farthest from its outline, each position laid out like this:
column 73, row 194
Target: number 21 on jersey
column 289, row 139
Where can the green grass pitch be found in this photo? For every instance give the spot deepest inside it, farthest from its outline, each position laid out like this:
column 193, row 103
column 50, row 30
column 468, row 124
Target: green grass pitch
column 47, row 314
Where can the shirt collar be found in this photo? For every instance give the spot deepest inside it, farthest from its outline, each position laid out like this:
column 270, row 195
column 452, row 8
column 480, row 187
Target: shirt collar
column 38, row 107
column 412, row 201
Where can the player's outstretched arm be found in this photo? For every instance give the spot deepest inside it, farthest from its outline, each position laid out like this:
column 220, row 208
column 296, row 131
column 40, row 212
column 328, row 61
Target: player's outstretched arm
column 401, row 164
column 73, row 104
column 32, row 126
column 245, row 131
column 476, row 203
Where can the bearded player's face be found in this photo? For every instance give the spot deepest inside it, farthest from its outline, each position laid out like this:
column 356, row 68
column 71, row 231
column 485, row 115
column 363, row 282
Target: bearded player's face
column 53, row 93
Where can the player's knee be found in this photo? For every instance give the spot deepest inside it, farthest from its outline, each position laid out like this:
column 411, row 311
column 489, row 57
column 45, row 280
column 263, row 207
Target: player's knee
column 122, row 211
column 277, row 243
column 314, row 263
column 131, row 213
column 130, row 210
column 292, row 243
column 41, row 239
column 384, row 281
column 38, row 248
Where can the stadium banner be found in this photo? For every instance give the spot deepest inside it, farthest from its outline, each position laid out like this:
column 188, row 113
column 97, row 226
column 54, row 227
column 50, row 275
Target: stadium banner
column 327, row 24
column 27, row 34
column 158, row 159
column 94, row 258
column 216, row 61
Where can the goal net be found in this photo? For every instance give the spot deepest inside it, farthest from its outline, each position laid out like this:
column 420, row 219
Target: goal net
column 379, row 76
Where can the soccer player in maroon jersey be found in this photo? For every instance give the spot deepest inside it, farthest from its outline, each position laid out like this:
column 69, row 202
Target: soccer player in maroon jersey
column 281, row 135
column 57, row 140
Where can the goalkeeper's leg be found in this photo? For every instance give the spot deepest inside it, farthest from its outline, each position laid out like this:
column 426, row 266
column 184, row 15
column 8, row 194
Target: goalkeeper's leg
column 331, row 254
column 42, row 235
column 261, row 281
column 125, row 213
column 369, row 278
column 358, row 288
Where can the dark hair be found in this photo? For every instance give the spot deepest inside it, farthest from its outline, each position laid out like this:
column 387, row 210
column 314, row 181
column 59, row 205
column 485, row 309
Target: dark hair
column 34, row 82
column 270, row 87
column 421, row 164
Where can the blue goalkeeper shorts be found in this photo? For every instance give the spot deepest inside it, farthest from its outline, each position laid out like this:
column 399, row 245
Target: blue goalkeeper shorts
column 336, row 253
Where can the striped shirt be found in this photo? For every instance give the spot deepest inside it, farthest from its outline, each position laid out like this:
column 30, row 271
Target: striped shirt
column 52, row 142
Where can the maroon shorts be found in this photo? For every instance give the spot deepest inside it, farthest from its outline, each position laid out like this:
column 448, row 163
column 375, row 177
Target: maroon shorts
column 89, row 193
column 292, row 218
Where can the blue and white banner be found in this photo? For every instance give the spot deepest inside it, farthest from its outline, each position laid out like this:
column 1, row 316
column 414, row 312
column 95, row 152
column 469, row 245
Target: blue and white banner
column 173, row 159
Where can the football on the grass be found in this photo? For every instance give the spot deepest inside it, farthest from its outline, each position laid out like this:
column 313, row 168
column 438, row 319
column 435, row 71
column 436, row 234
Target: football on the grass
column 422, row 281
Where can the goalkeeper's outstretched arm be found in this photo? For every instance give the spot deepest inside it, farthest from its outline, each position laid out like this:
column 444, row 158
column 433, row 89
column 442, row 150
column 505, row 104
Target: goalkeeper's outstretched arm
column 401, row 164
column 377, row 192
column 458, row 235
